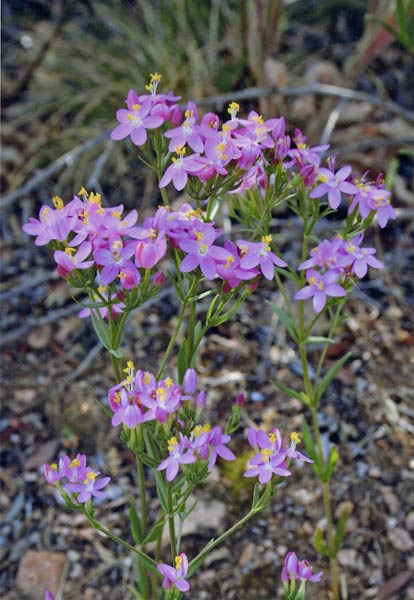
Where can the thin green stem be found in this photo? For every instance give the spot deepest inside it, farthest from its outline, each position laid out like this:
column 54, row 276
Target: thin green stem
column 175, row 332
column 164, row 197
column 150, row 562
column 171, row 525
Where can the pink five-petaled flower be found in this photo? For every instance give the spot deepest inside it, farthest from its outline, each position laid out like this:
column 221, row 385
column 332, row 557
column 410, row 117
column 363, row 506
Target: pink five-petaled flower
column 295, row 570
column 362, row 257
column 260, row 254
column 202, row 252
column 175, row 575
column 70, row 259
column 52, row 473
column 135, row 121
column 180, row 453
column 217, row 441
column 180, row 169
column 320, row 286
column 90, row 486
column 333, row 184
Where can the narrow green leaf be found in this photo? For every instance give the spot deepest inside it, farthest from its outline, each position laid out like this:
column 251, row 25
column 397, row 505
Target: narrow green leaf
column 182, row 362
column 116, row 352
column 311, row 449
column 256, row 495
column 340, row 531
column 286, row 320
column 162, row 491
column 135, row 522
column 332, row 460
column 100, row 330
column 319, row 544
column 155, row 533
column 287, row 390
column 330, row 376
column 149, row 461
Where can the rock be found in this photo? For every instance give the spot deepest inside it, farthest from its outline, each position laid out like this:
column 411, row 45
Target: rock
column 40, row 571
column 409, row 520
column 40, row 338
column 43, row 454
column 400, row 539
column 391, row 499
column 247, row 555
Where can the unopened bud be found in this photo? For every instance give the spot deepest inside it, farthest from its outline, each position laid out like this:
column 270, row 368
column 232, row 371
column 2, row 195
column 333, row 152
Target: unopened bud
column 190, row 381
column 201, row 400
column 159, row 278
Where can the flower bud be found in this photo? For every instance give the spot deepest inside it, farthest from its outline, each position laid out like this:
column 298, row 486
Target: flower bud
column 159, row 278
column 239, row 401
column 201, row 400
column 190, row 381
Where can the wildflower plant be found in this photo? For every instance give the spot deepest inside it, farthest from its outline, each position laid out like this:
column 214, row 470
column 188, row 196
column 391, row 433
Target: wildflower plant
column 251, row 165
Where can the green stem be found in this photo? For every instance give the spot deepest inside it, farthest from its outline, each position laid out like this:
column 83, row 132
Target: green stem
column 171, row 525
column 209, row 547
column 164, row 197
column 149, row 562
column 175, row 332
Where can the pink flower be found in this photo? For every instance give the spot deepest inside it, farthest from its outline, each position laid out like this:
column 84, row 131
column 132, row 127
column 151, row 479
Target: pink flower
column 293, row 570
column 180, row 169
column 180, row 453
column 175, row 575
column 321, row 286
column 135, row 121
column 333, row 184
column 260, row 254
column 71, row 258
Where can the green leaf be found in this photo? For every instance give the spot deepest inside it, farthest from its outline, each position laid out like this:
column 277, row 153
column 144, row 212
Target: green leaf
column 340, row 531
column 311, row 449
column 256, row 495
column 100, row 329
column 162, row 491
column 287, row 321
column 319, row 544
column 287, row 390
column 155, row 533
column 135, row 523
column 330, row 376
column 332, row 460
column 116, row 352
column 149, row 461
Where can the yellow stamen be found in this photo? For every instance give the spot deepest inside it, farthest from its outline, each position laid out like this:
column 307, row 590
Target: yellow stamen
column 168, row 383
column 53, row 467
column 294, row 436
column 102, row 289
column 147, row 378
column 58, row 202
column 69, row 251
column 233, row 107
column 75, row 463
column 178, row 562
column 172, row 443
column 229, row 261
column 272, row 437
column 83, row 191
column 199, row 236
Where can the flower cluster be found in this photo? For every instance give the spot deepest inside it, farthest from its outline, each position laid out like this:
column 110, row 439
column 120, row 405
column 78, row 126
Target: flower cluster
column 79, row 478
column 273, row 454
column 140, row 397
column 205, row 443
column 339, row 261
column 297, row 571
column 175, row 575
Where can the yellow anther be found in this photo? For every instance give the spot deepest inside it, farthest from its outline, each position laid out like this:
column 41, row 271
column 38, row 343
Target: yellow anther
column 122, row 275
column 116, row 214
column 147, row 378
column 83, row 191
column 321, row 285
column 178, row 562
column 161, row 393
column 131, row 117
column 301, row 146
column 272, row 437
column 221, row 147
column 69, row 251
column 58, row 202
column 172, row 443
column 243, row 249
column 117, row 397
column 155, row 77
column 168, row 383
column 152, row 234
column 294, row 436
column 226, row 128
column 267, row 453
column 102, row 289
column 199, row 236
column 229, row 261
column 54, row 467
column 197, row 431
column 351, row 248
column 180, row 150
column 95, row 198
column 136, row 107
column 258, row 119
column 206, row 428
column 312, row 280
column 323, row 178
column 188, row 114
column 267, row 239
column 116, row 245
column 75, row 463
column 130, row 364
column 233, row 108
